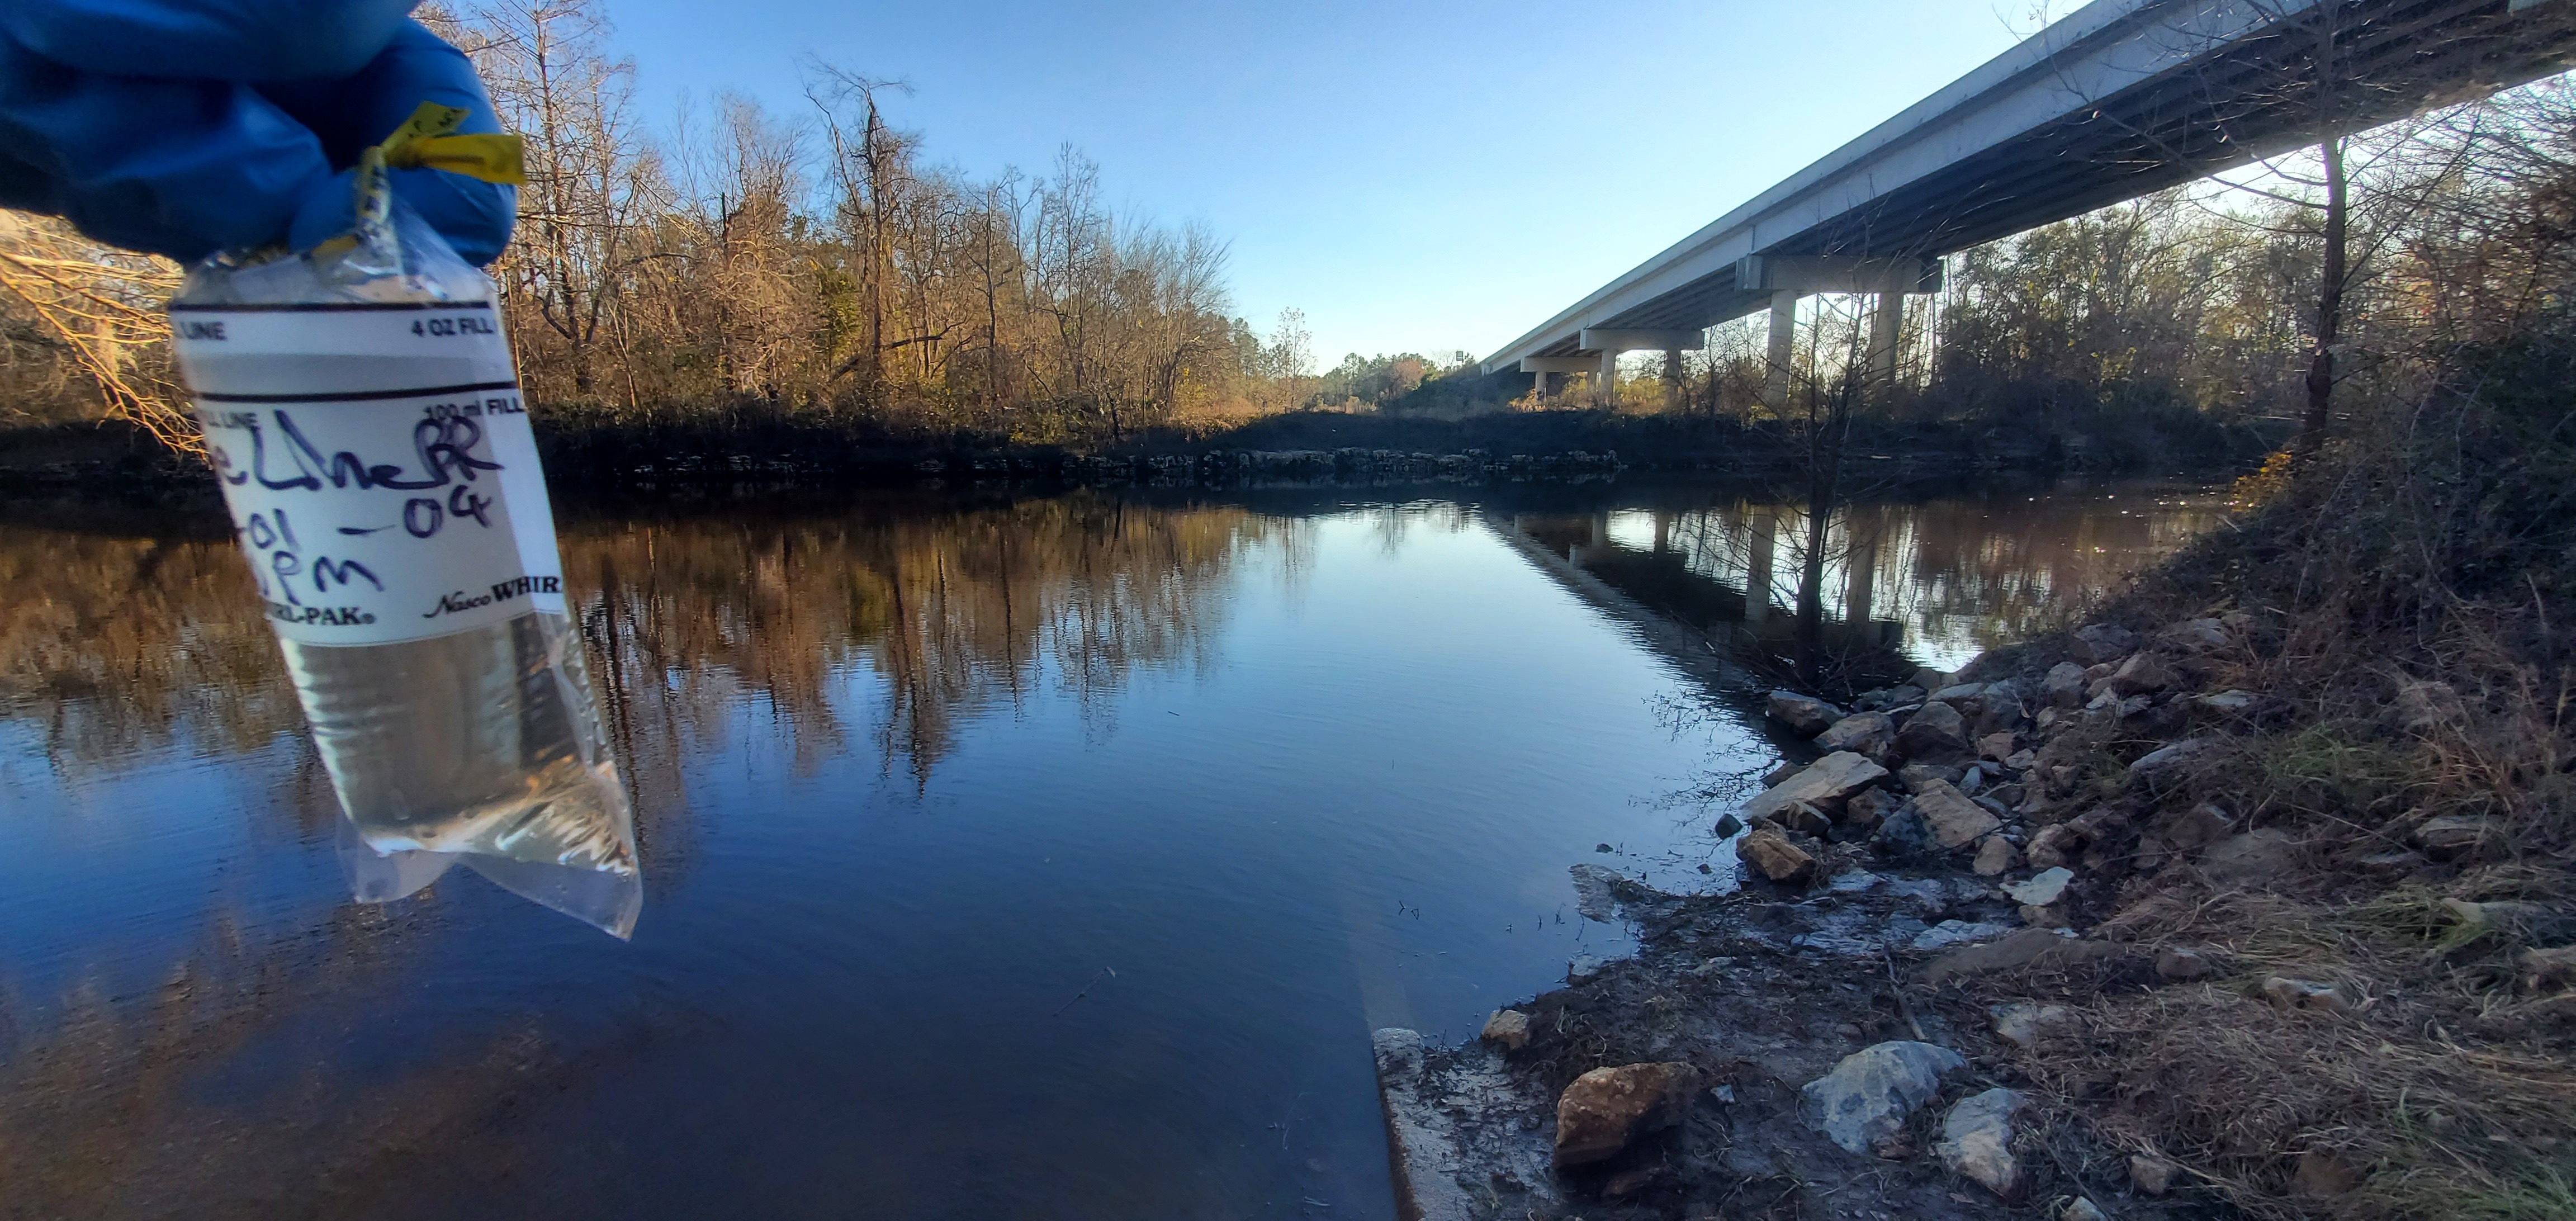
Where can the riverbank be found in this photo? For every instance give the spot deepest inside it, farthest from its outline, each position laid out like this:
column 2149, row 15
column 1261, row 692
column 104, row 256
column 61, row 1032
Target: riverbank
column 2251, row 896
column 1290, row 447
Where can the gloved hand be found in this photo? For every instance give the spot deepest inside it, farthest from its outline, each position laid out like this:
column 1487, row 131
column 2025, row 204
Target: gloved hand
column 184, row 127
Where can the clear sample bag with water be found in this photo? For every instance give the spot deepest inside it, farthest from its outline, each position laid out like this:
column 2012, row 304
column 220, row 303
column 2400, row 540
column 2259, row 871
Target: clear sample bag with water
column 359, row 403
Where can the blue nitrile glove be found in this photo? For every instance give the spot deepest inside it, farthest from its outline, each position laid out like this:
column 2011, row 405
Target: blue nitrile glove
column 184, row 127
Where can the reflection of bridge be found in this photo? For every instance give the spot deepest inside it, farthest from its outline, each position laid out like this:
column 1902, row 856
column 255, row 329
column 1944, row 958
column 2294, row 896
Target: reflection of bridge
column 2119, row 98
column 1715, row 587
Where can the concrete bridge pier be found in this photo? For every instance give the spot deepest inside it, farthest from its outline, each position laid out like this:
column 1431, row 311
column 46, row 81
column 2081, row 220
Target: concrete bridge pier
column 1757, row 565
column 1596, row 541
column 1886, row 334
column 1788, row 277
column 1612, row 342
column 1860, row 572
column 1541, row 366
column 1784, row 349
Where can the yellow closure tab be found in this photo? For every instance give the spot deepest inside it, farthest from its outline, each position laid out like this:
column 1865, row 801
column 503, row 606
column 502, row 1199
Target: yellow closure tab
column 423, row 142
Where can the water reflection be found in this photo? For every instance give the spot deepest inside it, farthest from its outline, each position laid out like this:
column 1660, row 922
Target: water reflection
column 1895, row 585
column 911, row 774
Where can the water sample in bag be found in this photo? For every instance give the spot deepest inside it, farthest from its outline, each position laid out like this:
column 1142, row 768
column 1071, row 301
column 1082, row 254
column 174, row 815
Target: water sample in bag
column 360, row 406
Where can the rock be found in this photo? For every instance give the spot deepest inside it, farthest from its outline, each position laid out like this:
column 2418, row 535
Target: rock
column 1970, row 781
column 1603, row 848
column 2287, row 993
column 2423, row 707
column 2512, row 920
column 2053, row 845
column 1606, row 1108
column 1632, row 1180
column 1866, row 1099
column 2081, row 1209
column 1927, row 893
column 1823, row 785
column 2049, row 916
column 2036, row 948
column 1782, row 772
column 1997, row 709
column 1584, row 968
column 2549, row 968
column 2196, row 827
column 1803, row 713
column 2231, row 702
column 2455, row 835
column 1995, row 855
column 2152, row 1175
column 1728, row 825
column 2165, row 761
column 1508, row 1029
column 1864, row 810
column 1775, row 857
column 2112, row 707
column 1913, row 776
column 2250, row 859
column 1935, row 733
column 1997, row 746
column 1954, row 821
column 1904, row 696
column 2183, row 966
column 1904, row 836
column 1928, row 679
column 1950, row 933
column 2099, row 821
column 1804, row 819
column 1595, row 891
column 1958, row 693
column 2195, row 635
column 1866, row 733
column 1976, row 1140
column 2064, row 686
column 2021, row 760
column 2020, row 1022
column 2101, row 642
column 2043, row 888
column 1398, row 1052
column 2392, row 864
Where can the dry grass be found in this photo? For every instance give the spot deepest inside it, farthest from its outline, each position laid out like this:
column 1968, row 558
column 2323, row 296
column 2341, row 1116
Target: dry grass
column 2409, row 594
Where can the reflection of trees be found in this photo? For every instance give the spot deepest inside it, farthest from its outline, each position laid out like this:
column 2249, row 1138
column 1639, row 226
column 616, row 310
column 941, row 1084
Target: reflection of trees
column 952, row 614
column 1992, row 572
column 1987, row 571
column 1956, row 575
column 118, row 643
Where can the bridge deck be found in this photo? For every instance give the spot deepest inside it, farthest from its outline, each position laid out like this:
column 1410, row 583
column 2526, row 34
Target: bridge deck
column 2119, row 99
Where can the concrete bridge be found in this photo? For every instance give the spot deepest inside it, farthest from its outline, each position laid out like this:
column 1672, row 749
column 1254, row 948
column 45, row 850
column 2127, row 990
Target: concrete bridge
column 2118, row 99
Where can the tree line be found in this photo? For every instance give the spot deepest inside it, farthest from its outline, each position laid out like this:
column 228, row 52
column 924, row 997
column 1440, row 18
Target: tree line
column 743, row 264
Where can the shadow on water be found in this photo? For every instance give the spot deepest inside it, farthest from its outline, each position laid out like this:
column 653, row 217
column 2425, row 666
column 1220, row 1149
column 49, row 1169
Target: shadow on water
column 1006, row 855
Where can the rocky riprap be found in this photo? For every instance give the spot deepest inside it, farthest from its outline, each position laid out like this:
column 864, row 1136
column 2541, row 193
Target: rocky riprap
column 1838, row 1037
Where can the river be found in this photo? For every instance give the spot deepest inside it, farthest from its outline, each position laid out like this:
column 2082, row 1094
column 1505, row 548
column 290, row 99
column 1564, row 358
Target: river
column 1006, row 855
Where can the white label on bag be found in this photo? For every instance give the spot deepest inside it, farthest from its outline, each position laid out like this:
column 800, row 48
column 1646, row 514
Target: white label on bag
column 378, row 466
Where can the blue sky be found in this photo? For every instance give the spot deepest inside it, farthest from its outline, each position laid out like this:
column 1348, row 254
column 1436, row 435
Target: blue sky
column 1421, row 176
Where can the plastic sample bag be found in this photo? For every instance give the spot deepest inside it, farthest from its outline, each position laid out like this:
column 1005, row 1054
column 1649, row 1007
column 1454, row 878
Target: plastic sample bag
column 359, row 403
